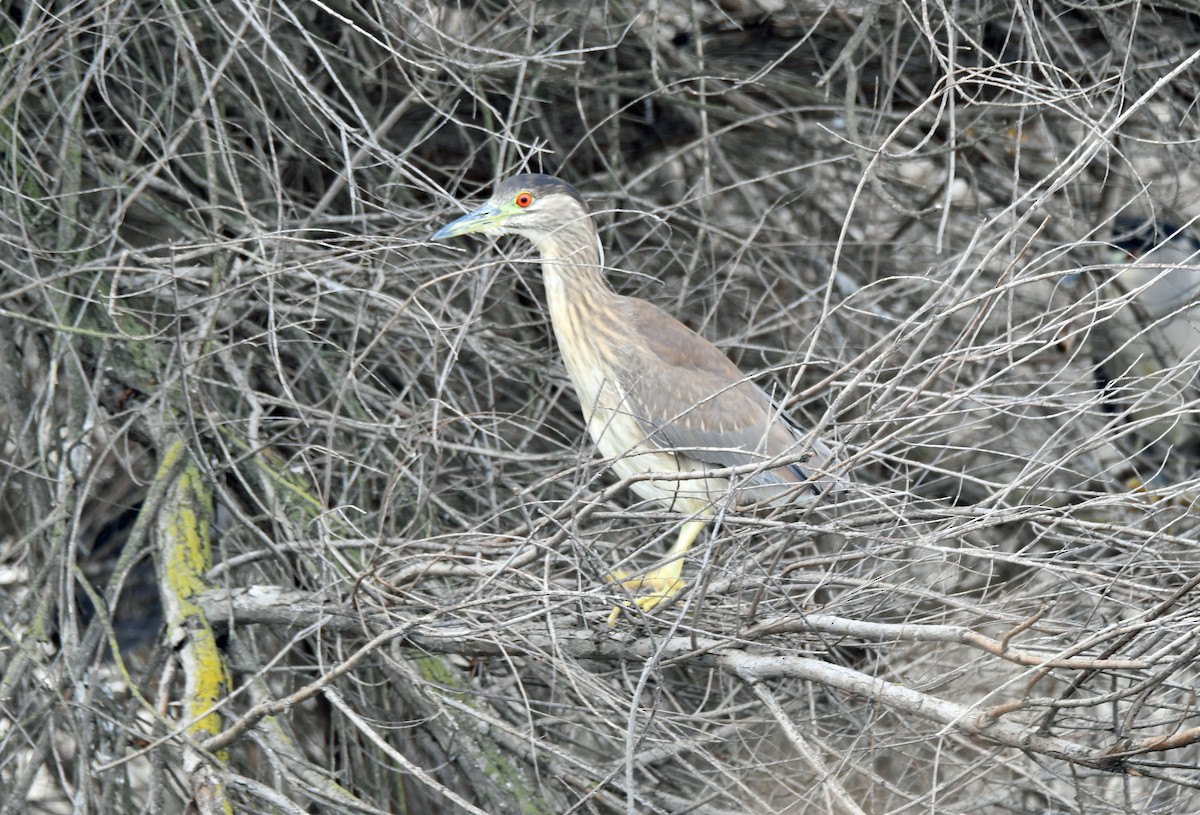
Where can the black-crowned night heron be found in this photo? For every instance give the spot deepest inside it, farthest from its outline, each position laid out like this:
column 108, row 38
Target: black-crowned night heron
column 1147, row 344
column 656, row 396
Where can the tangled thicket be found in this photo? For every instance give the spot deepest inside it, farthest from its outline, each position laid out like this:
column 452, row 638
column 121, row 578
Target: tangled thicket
column 220, row 315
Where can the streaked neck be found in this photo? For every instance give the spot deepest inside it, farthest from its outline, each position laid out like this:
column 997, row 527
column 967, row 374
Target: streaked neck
column 572, row 268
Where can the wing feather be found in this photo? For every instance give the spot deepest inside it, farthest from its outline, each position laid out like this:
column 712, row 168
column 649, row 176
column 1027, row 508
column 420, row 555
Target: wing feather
column 689, row 396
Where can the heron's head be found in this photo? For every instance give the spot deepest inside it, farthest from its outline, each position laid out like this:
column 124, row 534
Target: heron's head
column 537, row 207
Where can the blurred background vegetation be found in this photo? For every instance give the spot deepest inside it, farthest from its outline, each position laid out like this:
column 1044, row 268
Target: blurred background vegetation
column 230, row 359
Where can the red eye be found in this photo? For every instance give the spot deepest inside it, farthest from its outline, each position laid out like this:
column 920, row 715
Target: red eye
column 524, row 199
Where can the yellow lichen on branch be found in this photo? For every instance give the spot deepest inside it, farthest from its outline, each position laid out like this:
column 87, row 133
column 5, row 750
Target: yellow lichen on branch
column 184, row 556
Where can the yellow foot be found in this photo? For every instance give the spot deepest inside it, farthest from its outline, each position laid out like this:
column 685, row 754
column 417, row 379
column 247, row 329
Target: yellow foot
column 663, row 584
column 1155, row 491
column 1134, row 484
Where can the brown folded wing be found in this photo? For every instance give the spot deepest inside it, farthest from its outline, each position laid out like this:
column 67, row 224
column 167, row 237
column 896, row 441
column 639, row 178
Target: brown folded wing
column 688, row 396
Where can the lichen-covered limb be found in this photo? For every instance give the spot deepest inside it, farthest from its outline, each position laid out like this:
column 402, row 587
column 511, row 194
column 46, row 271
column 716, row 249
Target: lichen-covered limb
column 184, row 555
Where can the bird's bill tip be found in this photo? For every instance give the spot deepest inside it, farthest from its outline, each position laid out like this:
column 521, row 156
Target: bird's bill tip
column 484, row 219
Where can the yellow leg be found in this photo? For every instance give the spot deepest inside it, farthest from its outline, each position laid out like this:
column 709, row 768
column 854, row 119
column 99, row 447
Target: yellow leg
column 664, row 582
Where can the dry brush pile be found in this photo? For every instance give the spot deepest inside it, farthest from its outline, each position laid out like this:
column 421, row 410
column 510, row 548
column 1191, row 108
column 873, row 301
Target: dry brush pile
column 298, row 513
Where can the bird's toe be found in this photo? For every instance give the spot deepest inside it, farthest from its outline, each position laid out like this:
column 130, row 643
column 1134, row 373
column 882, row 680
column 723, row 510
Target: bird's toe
column 660, row 586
